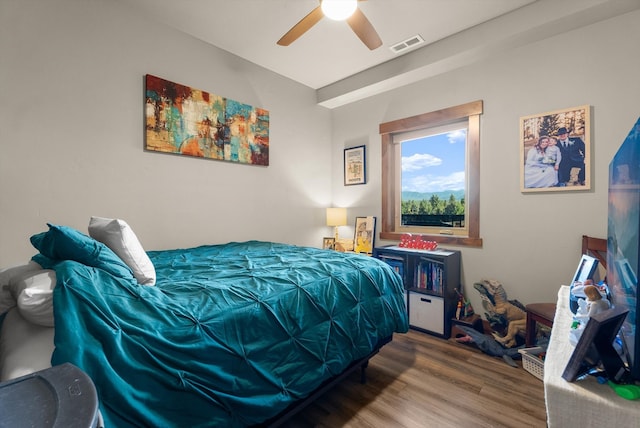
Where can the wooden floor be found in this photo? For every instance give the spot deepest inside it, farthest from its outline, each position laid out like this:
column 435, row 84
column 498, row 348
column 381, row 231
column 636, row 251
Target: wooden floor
column 419, row 380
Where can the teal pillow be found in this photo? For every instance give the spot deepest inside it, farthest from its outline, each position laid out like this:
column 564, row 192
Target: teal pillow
column 65, row 243
column 44, row 262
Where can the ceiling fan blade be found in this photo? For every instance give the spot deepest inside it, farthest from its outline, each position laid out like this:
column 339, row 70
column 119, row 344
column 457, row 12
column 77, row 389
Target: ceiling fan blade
column 364, row 30
column 301, row 27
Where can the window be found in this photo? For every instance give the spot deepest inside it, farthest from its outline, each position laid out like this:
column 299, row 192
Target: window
column 430, row 176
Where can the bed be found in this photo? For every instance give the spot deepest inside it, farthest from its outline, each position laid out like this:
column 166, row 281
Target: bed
column 227, row 335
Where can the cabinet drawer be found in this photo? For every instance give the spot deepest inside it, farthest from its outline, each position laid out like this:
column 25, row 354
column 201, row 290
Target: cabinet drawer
column 426, row 312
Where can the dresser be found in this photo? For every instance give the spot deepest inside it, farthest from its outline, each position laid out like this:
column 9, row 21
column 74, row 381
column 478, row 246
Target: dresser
column 585, row 402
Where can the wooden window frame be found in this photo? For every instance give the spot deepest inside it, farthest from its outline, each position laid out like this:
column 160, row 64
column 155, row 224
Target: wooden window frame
column 469, row 111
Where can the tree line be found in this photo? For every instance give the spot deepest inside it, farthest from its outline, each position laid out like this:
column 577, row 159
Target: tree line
column 434, row 206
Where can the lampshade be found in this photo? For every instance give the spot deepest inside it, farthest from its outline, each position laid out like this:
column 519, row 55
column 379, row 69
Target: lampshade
column 336, row 216
column 338, row 9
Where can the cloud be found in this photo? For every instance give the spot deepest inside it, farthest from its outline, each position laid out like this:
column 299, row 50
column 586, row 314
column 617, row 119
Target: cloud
column 419, row 161
column 429, row 183
column 457, row 136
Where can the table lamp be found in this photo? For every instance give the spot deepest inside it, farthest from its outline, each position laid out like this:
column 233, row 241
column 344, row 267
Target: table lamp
column 336, row 217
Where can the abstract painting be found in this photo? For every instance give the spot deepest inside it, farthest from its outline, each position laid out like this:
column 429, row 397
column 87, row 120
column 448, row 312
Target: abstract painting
column 192, row 122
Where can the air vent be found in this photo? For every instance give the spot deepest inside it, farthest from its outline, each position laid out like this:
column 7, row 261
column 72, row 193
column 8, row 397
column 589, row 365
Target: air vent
column 406, row 44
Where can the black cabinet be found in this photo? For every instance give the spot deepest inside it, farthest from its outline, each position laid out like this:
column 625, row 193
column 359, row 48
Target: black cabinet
column 430, row 279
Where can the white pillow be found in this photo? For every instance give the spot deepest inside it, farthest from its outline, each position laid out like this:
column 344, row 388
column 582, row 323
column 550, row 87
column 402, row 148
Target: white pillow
column 119, row 237
column 43, row 279
column 7, row 301
column 33, row 293
column 36, row 306
column 6, row 275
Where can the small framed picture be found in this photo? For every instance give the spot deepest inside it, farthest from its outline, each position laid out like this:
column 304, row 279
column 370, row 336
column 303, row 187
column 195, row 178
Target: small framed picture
column 355, row 166
column 365, row 233
column 329, row 243
column 596, row 345
column 555, row 150
column 586, row 268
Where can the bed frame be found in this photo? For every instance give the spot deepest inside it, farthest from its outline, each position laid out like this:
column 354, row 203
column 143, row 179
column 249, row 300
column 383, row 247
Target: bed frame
column 295, row 408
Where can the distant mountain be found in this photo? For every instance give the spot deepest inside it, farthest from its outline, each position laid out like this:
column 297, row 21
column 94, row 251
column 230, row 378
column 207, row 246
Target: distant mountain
column 418, row 196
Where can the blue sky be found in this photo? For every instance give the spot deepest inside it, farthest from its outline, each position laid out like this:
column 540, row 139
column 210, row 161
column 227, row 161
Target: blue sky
column 435, row 163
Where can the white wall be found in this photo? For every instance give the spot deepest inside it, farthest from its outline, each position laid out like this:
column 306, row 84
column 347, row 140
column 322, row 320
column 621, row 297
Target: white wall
column 531, row 241
column 71, row 138
column 72, row 135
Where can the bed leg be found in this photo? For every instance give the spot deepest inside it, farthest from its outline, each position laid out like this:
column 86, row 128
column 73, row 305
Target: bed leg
column 363, row 372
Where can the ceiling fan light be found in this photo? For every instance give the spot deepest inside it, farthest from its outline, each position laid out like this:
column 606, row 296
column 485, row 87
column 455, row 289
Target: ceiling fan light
column 338, row 9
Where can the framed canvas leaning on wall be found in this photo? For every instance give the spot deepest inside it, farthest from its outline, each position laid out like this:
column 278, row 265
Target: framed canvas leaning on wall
column 365, row 232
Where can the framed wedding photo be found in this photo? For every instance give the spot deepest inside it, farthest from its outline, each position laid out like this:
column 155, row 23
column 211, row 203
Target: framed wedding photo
column 355, row 166
column 555, row 150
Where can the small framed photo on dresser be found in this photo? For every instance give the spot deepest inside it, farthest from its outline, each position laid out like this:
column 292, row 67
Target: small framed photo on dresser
column 595, row 345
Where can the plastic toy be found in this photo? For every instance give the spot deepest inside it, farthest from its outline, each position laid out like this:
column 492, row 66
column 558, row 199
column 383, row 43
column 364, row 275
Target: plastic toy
column 628, row 392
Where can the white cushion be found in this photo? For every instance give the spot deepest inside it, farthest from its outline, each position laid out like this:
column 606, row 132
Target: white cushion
column 119, row 237
column 6, row 275
column 43, row 279
column 7, row 301
column 36, row 306
column 33, row 293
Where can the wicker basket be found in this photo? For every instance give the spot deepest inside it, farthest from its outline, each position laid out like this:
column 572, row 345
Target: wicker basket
column 532, row 362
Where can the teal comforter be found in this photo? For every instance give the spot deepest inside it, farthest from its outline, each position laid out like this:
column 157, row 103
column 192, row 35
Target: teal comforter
column 230, row 335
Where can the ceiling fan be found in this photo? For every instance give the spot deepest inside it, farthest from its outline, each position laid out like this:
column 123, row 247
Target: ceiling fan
column 353, row 15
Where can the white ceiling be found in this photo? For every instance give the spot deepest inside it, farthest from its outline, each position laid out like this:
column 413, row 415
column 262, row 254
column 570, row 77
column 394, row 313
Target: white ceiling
column 328, row 52
column 330, row 57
